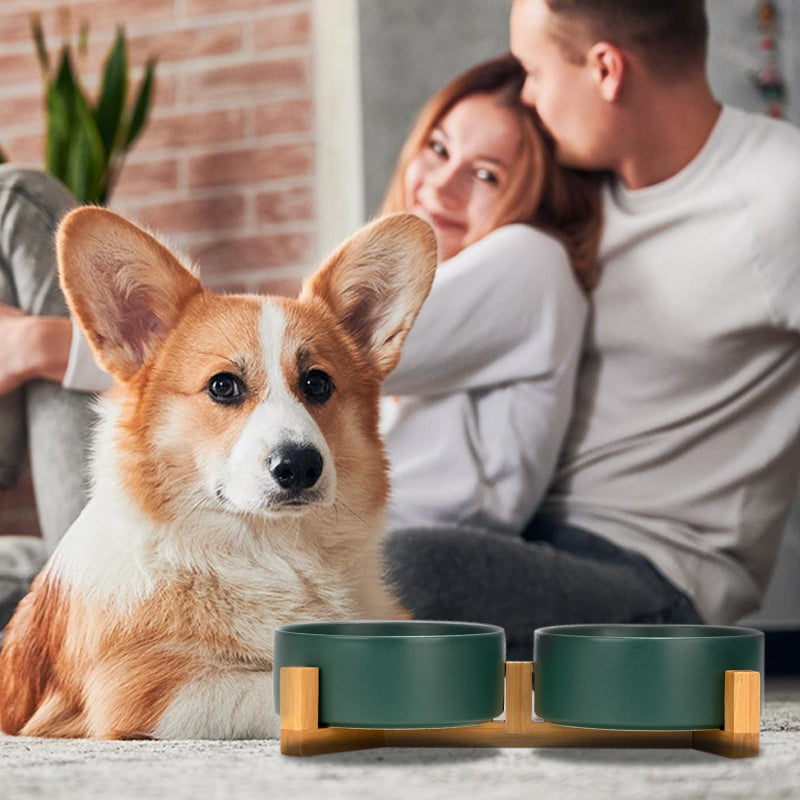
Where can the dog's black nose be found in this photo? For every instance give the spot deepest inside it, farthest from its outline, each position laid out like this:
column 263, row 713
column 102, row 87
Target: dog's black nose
column 295, row 468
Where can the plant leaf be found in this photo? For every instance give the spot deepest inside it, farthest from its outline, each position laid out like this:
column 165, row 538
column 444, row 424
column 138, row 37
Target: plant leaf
column 112, row 94
column 64, row 84
column 78, row 178
column 41, row 48
column 83, row 39
column 141, row 107
column 58, row 132
column 61, row 117
column 87, row 159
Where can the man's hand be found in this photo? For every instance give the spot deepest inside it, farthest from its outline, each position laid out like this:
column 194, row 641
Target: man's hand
column 31, row 347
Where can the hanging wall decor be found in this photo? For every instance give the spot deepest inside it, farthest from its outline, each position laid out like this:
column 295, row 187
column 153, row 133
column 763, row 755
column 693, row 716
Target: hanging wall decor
column 768, row 78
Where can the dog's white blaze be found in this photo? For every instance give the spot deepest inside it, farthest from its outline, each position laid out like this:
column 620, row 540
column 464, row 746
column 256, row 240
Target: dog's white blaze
column 279, row 419
column 230, row 705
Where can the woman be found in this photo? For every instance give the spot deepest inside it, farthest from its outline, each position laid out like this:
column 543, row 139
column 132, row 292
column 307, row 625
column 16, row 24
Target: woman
column 484, row 387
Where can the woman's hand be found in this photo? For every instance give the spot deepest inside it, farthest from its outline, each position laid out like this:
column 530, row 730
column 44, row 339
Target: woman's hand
column 31, row 347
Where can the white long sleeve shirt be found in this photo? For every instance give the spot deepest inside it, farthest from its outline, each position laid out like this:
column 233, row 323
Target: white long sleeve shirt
column 483, row 392
column 685, row 444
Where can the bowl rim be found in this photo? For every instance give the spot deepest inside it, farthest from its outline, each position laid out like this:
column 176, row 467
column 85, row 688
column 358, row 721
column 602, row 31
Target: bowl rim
column 479, row 629
column 582, row 632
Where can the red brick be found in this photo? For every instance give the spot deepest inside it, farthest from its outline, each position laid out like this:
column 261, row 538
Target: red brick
column 253, row 253
column 16, row 27
column 183, row 45
column 284, row 116
column 25, row 149
column 285, row 205
column 103, row 17
column 282, row 30
column 15, row 24
column 252, row 80
column 16, row 68
column 285, row 287
column 251, row 165
column 166, row 89
column 222, row 6
column 147, row 177
column 190, row 129
column 186, row 216
column 102, row 14
column 29, row 5
column 27, row 109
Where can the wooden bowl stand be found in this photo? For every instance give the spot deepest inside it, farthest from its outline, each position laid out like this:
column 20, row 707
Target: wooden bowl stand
column 301, row 734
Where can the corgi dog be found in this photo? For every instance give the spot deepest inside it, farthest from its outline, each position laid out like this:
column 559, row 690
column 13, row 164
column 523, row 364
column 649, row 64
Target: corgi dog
column 238, row 483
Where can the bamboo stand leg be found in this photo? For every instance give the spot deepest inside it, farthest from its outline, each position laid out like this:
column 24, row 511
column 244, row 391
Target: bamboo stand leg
column 519, row 696
column 739, row 738
column 300, row 731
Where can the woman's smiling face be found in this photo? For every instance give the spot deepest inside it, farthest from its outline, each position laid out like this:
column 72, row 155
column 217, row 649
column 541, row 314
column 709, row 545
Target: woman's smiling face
column 458, row 179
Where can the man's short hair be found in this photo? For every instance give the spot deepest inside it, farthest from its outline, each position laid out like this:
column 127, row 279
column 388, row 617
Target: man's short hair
column 669, row 36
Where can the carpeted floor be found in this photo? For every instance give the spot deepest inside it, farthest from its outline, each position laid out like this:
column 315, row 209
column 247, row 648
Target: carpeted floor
column 31, row 768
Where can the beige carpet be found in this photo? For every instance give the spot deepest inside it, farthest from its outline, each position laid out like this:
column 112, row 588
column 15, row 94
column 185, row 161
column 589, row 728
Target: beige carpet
column 32, row 768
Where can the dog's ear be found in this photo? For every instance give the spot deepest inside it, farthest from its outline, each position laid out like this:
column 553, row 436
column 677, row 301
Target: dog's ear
column 125, row 288
column 376, row 282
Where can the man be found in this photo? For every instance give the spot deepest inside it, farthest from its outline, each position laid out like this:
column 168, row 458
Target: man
column 686, row 442
column 684, row 450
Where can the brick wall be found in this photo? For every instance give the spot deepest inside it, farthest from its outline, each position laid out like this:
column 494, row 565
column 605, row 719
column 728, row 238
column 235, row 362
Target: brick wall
column 225, row 169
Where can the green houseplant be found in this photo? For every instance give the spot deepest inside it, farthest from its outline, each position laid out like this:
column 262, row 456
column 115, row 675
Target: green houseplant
column 87, row 142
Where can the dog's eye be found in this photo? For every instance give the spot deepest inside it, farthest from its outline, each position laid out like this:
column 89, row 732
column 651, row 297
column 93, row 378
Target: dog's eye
column 226, row 388
column 317, row 386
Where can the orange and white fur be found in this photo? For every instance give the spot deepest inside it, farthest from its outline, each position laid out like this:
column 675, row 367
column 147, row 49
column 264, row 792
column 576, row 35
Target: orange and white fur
column 211, row 521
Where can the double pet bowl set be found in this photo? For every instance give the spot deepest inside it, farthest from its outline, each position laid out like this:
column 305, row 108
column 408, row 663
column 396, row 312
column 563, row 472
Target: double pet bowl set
column 354, row 685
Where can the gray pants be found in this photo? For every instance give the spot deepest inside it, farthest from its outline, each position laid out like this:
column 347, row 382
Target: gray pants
column 51, row 422
column 552, row 575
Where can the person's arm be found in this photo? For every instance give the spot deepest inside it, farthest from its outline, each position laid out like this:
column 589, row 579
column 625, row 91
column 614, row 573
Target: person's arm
column 499, row 311
column 34, row 347
column 82, row 374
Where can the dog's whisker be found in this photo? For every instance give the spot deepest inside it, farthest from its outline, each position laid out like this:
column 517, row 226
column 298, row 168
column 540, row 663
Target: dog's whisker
column 296, row 537
column 316, row 513
column 356, row 515
column 187, row 513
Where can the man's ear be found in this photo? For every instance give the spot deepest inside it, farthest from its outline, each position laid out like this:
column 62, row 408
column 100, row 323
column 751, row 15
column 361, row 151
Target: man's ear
column 123, row 286
column 376, row 283
column 608, row 65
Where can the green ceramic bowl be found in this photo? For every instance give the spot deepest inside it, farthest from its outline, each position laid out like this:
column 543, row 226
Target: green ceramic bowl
column 398, row 674
column 640, row 677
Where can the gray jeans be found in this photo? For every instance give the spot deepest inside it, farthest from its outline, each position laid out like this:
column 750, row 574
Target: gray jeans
column 51, row 422
column 552, row 575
